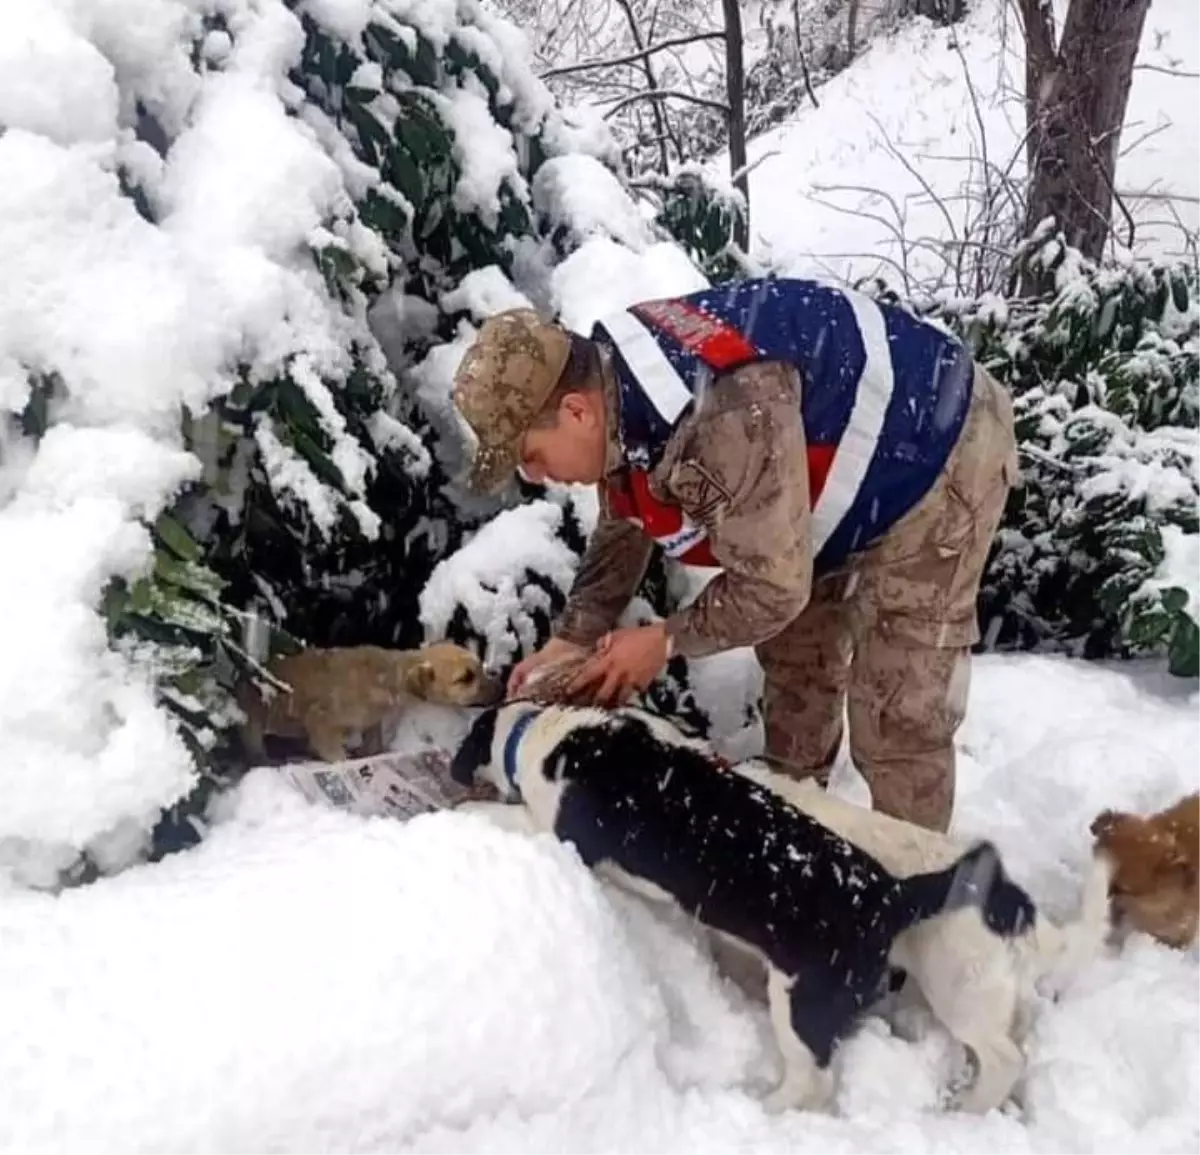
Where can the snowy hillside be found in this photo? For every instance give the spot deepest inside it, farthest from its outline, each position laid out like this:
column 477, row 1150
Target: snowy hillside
column 898, row 144
column 309, row 981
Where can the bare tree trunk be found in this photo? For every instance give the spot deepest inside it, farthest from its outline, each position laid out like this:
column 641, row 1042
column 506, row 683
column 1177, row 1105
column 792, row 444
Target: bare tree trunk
column 1037, row 17
column 735, row 86
column 1075, row 102
column 800, row 54
column 851, row 28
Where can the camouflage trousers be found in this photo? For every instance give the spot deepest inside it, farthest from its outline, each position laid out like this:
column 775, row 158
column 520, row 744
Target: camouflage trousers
column 884, row 644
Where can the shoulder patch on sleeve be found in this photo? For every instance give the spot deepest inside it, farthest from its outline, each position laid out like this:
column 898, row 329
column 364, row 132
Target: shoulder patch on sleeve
column 697, row 489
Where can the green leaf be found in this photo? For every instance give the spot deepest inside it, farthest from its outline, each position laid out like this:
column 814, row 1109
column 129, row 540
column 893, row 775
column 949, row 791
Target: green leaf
column 373, row 138
column 197, row 579
column 424, row 69
column 177, row 539
column 404, row 174
column 384, row 216
column 151, row 601
column 296, row 411
column 1179, row 290
column 1183, row 653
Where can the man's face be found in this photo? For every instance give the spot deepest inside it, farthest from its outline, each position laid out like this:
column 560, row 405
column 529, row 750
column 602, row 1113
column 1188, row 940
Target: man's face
column 573, row 449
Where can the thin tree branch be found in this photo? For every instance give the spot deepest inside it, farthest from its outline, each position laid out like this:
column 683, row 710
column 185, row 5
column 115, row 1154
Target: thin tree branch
column 667, row 94
column 896, row 229
column 750, row 166
column 1167, row 71
column 1098, row 163
column 1145, row 137
column 915, row 174
column 1151, row 195
column 879, row 258
column 989, row 199
column 632, row 57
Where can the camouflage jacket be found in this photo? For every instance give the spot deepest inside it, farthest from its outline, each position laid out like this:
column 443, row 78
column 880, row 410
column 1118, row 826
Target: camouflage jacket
column 736, row 465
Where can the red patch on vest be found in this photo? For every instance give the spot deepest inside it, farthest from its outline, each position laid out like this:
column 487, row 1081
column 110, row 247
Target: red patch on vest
column 716, row 343
column 820, row 461
column 634, row 502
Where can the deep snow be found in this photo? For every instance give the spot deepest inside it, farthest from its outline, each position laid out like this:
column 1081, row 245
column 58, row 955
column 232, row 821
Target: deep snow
column 306, row 980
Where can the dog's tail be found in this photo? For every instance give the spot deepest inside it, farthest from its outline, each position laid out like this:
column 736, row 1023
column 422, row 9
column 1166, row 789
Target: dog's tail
column 1059, row 952
column 976, row 879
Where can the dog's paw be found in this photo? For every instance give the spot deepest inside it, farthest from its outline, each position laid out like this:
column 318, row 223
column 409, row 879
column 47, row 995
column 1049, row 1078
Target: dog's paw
column 814, row 1093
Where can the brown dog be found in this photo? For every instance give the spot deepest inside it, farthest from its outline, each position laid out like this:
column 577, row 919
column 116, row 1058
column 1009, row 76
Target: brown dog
column 1154, row 858
column 359, row 689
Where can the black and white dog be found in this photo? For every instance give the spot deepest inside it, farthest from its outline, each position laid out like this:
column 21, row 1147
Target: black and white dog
column 657, row 813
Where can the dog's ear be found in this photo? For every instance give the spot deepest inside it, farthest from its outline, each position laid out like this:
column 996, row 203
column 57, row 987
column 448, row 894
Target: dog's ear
column 1105, row 823
column 476, row 748
column 418, row 679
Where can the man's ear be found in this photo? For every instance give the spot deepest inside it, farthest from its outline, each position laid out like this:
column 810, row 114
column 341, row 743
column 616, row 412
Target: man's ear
column 419, row 678
column 577, row 409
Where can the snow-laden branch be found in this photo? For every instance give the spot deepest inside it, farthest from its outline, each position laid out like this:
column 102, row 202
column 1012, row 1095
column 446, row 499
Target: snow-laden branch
column 633, row 57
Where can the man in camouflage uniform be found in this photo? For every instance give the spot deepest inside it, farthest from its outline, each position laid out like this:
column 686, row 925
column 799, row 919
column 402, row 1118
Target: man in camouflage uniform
column 843, row 465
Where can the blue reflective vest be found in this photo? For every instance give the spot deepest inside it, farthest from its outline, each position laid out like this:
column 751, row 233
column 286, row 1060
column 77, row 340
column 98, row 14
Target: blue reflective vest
column 883, row 396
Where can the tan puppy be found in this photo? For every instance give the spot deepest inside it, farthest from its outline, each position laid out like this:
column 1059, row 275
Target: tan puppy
column 337, row 693
column 1155, row 865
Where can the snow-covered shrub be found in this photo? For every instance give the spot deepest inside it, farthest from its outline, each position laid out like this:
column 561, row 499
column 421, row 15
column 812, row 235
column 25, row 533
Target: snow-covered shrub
column 1098, row 549
column 702, row 215
column 501, row 592
column 244, row 247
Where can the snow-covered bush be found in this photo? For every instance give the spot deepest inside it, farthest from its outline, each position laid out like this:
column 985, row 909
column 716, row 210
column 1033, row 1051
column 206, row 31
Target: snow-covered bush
column 1097, row 553
column 702, row 215
column 501, row 592
column 244, row 248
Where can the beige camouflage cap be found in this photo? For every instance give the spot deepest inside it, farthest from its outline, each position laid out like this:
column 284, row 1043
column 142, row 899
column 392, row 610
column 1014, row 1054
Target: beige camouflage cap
column 502, row 384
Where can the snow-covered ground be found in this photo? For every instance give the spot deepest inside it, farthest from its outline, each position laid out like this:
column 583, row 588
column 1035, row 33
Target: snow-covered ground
column 899, row 135
column 307, row 980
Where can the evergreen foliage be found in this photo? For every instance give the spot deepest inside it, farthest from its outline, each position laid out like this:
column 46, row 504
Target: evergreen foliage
column 325, row 502
column 1097, row 552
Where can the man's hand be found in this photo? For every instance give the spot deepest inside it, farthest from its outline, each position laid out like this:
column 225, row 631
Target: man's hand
column 625, row 662
column 555, row 650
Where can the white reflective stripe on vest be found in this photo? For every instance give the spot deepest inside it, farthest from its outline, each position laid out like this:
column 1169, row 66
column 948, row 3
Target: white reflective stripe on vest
column 663, row 387
column 857, row 445
column 678, row 543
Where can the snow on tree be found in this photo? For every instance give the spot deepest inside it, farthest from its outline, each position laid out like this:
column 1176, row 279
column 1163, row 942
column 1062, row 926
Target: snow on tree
column 501, row 592
column 244, row 251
